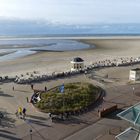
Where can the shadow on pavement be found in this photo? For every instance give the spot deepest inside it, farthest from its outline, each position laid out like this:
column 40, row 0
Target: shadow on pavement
column 38, row 122
column 37, row 117
column 21, row 90
column 5, row 95
column 71, row 120
column 113, row 115
column 6, row 120
column 8, row 137
column 5, row 131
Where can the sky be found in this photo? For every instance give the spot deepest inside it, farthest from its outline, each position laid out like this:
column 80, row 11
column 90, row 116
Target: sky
column 72, row 11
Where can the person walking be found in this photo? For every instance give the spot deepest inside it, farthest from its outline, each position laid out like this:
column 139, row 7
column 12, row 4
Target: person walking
column 24, row 113
column 45, row 88
column 16, row 113
column 20, row 112
column 13, row 88
column 50, row 115
column 27, row 99
column 32, row 86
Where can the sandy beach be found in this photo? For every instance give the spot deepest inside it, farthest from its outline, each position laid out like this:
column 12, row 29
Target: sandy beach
column 118, row 89
column 48, row 62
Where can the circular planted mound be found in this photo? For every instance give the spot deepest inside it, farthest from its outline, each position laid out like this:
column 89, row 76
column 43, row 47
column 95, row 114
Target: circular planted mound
column 76, row 96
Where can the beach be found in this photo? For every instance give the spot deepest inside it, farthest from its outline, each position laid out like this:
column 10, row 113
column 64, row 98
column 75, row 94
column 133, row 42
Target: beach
column 114, row 80
column 55, row 61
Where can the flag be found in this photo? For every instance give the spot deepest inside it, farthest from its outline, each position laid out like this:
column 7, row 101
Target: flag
column 61, row 88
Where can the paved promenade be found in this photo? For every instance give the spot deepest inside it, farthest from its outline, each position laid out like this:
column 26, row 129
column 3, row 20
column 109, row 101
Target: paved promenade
column 83, row 127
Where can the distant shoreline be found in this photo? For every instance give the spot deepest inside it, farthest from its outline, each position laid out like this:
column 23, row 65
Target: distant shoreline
column 69, row 37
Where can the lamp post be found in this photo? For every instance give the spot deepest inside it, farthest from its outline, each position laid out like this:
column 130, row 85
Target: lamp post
column 63, row 106
column 133, row 94
column 31, row 134
column 62, row 91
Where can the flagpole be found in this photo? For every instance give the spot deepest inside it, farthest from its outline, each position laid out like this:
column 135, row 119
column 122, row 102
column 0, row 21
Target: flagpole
column 63, row 105
column 63, row 101
column 62, row 91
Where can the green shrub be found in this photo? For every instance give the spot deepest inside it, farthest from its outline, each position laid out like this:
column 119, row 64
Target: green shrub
column 76, row 96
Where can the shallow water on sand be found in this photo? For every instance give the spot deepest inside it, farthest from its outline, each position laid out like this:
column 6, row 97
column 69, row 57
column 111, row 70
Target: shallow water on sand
column 23, row 47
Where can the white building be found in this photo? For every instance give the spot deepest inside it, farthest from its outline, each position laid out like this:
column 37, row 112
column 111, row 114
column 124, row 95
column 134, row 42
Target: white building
column 134, row 74
column 77, row 64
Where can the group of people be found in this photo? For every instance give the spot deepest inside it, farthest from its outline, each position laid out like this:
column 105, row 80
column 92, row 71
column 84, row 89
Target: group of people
column 21, row 113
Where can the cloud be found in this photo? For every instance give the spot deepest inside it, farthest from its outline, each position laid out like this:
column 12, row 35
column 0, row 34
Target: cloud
column 73, row 11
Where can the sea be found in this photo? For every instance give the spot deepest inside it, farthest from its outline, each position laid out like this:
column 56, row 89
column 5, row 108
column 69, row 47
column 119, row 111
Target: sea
column 18, row 41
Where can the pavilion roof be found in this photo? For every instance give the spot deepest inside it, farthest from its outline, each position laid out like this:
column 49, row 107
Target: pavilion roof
column 131, row 115
column 129, row 134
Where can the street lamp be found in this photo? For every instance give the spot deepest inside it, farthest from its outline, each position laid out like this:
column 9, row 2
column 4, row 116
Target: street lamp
column 133, row 89
column 31, row 132
column 133, row 93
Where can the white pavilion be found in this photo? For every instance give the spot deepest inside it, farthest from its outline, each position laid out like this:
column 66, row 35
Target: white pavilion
column 77, row 64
